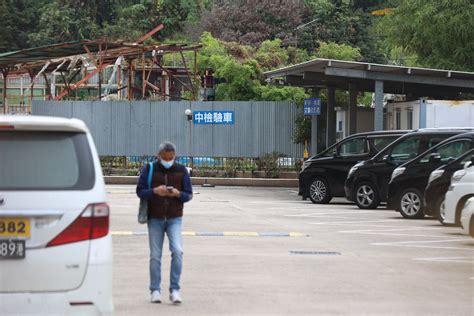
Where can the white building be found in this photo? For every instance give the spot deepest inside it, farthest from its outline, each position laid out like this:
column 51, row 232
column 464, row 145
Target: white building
column 429, row 114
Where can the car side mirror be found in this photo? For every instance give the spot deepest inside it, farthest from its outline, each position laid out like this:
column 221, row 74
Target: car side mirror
column 434, row 158
column 334, row 153
column 468, row 164
column 386, row 159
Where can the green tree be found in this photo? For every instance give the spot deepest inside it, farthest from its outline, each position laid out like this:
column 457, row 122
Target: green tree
column 439, row 34
column 338, row 51
column 17, row 19
column 341, row 22
column 61, row 23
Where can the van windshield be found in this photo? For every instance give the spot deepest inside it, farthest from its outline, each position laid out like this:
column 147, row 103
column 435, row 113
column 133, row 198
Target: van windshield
column 31, row 160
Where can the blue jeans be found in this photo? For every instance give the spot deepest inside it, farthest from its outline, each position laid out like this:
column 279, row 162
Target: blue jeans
column 156, row 235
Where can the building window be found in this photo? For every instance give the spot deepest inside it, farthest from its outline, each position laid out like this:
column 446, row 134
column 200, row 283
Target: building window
column 398, row 119
column 410, row 119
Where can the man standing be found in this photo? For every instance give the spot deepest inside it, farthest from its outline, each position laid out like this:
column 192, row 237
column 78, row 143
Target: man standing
column 171, row 188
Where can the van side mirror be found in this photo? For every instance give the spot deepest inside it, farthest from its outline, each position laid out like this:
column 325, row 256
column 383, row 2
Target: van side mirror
column 386, row 158
column 334, row 153
column 434, row 158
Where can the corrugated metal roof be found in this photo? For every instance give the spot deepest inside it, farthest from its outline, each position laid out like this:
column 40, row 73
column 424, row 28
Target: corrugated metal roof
column 320, row 64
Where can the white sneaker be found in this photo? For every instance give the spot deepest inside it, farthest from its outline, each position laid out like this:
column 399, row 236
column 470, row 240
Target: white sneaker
column 175, row 297
column 155, row 297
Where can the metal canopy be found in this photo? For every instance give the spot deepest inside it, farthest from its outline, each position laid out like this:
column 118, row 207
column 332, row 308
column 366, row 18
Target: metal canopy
column 53, row 51
column 397, row 80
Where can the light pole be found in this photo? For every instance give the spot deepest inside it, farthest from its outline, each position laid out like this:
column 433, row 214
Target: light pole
column 189, row 116
column 299, row 27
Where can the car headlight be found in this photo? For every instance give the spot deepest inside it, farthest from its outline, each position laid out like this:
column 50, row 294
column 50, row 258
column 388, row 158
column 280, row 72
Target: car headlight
column 398, row 171
column 435, row 175
column 457, row 176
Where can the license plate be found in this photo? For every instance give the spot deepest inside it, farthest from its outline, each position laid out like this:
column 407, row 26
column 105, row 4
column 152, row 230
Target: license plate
column 12, row 249
column 14, row 227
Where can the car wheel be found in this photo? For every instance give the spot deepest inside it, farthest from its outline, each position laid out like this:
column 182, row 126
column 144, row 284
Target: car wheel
column 411, row 204
column 437, row 213
column 366, row 196
column 441, row 215
column 319, row 192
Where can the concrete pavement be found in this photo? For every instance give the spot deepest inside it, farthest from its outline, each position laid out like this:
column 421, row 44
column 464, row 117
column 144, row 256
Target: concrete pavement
column 252, row 251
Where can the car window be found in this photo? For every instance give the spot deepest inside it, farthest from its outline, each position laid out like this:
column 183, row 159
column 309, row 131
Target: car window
column 449, row 151
column 45, row 161
column 406, row 149
column 435, row 141
column 353, row 147
column 381, row 142
column 329, row 152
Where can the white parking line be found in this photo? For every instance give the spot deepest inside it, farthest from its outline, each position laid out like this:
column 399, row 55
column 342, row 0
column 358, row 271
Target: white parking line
column 394, row 234
column 355, row 222
column 416, row 244
column 320, row 214
column 448, row 259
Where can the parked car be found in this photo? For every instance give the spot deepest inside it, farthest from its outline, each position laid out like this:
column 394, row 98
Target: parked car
column 467, row 217
column 408, row 182
column 55, row 246
column 460, row 190
column 367, row 182
column 438, row 185
column 322, row 176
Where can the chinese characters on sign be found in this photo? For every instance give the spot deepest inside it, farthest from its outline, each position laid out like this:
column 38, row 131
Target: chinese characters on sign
column 312, row 106
column 213, row 117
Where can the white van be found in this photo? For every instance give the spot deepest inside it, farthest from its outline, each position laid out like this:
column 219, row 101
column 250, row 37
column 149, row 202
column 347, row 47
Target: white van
column 55, row 246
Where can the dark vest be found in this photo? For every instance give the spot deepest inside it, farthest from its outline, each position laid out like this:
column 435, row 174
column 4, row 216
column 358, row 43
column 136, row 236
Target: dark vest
column 166, row 207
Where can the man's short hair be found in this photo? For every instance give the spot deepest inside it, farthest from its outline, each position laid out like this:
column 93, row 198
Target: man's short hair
column 166, row 147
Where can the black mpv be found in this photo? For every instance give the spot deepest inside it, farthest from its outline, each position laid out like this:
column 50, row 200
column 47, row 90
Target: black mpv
column 367, row 182
column 322, row 176
column 438, row 185
column 408, row 182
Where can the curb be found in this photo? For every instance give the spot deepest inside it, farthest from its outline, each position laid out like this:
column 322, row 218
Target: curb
column 244, row 182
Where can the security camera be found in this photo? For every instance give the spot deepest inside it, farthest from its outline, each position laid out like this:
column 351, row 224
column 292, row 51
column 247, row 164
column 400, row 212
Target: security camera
column 189, row 114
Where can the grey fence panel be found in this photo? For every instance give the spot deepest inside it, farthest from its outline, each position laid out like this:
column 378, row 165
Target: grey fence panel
column 102, row 122
column 140, row 127
column 123, row 128
column 120, row 126
column 83, row 111
column 45, row 108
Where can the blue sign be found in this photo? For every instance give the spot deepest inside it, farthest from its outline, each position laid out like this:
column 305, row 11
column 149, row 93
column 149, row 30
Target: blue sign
column 214, row 117
column 312, row 106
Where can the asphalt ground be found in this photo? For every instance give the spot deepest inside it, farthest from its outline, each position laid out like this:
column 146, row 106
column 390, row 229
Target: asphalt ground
column 253, row 251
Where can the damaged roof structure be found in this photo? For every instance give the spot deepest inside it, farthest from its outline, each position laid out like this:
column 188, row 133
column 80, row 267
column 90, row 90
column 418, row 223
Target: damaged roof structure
column 78, row 62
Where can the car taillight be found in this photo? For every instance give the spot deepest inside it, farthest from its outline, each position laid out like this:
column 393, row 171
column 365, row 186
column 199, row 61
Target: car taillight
column 91, row 224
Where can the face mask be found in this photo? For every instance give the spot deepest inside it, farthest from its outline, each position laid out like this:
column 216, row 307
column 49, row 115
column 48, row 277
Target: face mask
column 167, row 164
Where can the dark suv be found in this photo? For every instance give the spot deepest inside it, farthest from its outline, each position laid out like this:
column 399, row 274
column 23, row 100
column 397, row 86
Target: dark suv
column 439, row 182
column 322, row 176
column 367, row 182
column 408, row 182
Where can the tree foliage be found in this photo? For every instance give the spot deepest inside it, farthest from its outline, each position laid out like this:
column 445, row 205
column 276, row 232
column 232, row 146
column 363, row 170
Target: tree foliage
column 252, row 22
column 439, row 33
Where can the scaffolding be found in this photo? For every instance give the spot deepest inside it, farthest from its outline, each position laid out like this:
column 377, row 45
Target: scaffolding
column 132, row 66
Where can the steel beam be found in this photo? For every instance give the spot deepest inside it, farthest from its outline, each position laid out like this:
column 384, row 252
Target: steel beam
column 378, row 113
column 331, row 117
column 381, row 76
column 314, row 127
column 352, row 109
